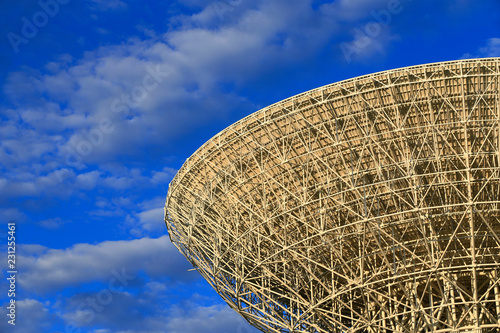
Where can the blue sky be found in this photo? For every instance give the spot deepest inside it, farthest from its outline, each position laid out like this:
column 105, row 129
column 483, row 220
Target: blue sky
column 101, row 101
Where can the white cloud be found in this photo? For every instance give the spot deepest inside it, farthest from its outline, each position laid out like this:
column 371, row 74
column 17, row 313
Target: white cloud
column 196, row 59
column 57, row 134
column 164, row 176
column 155, row 287
column 149, row 222
column 66, row 183
column 87, row 181
column 156, row 314
column 370, row 24
column 12, row 214
column 155, row 202
column 56, row 269
column 491, row 49
column 21, row 184
column 53, row 223
column 32, row 316
column 59, row 120
column 221, row 319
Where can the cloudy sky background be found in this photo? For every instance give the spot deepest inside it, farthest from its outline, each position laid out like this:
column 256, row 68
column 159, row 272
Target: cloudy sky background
column 101, row 101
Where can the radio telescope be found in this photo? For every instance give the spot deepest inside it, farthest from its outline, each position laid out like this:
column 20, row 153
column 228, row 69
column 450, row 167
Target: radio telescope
column 367, row 205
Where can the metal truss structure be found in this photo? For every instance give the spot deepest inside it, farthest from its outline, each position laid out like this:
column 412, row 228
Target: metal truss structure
column 368, row 205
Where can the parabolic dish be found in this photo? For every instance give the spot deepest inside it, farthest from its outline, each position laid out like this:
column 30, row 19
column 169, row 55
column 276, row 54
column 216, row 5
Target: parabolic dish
column 367, row 205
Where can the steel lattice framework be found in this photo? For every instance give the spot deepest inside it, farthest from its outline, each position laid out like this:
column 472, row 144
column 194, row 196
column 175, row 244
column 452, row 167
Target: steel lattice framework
column 368, row 205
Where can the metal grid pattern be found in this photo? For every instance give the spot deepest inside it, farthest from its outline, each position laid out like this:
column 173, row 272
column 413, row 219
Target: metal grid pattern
column 368, row 205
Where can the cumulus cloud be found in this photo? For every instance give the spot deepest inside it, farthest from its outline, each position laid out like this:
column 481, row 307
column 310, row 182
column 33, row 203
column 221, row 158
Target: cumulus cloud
column 53, row 223
column 370, row 24
column 221, row 319
column 67, row 183
column 32, row 316
column 150, row 91
column 148, row 222
column 164, row 176
column 124, row 312
column 491, row 49
column 117, row 100
column 120, row 313
column 104, row 309
column 12, row 214
column 116, row 82
column 70, row 121
column 56, row 269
